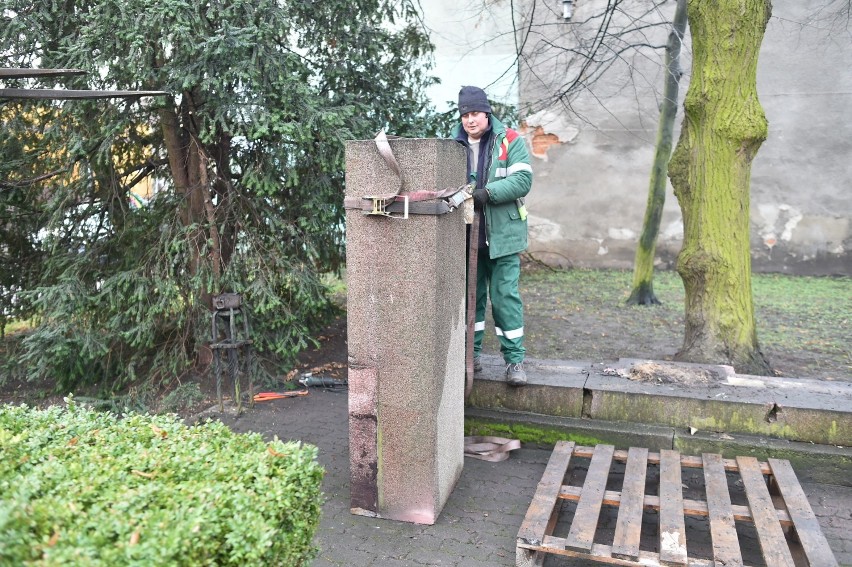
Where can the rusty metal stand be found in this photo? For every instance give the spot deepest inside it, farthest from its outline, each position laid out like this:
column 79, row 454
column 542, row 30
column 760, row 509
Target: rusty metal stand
column 226, row 335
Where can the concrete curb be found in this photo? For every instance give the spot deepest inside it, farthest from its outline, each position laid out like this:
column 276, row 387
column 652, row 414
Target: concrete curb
column 712, row 409
column 825, row 464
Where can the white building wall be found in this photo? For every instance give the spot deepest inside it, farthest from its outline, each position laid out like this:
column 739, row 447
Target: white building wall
column 594, row 154
column 474, row 45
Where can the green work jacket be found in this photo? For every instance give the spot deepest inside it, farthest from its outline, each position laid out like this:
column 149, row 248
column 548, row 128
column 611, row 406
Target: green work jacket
column 509, row 180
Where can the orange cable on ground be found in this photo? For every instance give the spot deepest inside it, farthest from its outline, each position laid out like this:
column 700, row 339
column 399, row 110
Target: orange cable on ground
column 263, row 396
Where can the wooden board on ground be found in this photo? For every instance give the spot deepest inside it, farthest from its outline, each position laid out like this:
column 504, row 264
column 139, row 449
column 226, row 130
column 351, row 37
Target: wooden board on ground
column 772, row 520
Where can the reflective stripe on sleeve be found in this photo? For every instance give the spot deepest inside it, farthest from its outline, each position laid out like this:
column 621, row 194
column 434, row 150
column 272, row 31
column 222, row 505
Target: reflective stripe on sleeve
column 506, row 172
column 479, row 326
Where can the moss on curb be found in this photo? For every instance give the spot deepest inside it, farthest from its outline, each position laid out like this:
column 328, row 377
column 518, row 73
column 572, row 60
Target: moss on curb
column 544, row 436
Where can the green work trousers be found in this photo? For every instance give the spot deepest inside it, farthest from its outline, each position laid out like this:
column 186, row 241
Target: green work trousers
column 498, row 279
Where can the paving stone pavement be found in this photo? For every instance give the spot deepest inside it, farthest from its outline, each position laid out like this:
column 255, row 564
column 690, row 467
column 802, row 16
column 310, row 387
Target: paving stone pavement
column 480, row 521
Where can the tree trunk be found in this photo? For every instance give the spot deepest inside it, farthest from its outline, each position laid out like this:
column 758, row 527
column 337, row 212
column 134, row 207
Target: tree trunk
column 643, row 268
column 188, row 164
column 710, row 170
column 224, row 191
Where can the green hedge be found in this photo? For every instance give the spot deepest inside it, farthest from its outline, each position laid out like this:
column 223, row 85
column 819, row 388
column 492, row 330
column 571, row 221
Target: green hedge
column 80, row 487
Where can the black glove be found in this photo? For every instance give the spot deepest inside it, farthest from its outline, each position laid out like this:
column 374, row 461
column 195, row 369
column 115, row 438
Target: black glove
column 480, row 197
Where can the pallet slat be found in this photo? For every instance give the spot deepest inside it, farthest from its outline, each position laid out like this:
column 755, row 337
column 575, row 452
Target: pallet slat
column 672, row 527
column 690, row 507
column 544, row 508
column 774, row 546
column 686, row 461
column 723, row 531
column 538, row 517
column 582, row 532
column 601, row 553
column 629, row 525
column 807, row 527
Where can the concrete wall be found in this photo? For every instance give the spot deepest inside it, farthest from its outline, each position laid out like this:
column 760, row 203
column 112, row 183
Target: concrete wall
column 594, row 152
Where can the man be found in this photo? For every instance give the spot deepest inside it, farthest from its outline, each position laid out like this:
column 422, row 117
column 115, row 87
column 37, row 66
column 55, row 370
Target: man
column 499, row 163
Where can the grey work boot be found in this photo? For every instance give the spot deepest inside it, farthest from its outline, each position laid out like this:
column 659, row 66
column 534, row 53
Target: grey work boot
column 477, row 364
column 515, row 375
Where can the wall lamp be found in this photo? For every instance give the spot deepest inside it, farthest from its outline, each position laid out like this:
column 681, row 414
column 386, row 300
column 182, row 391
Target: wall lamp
column 567, row 9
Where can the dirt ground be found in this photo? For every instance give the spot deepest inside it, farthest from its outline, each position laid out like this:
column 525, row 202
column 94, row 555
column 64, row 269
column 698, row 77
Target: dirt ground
column 587, row 323
column 584, row 323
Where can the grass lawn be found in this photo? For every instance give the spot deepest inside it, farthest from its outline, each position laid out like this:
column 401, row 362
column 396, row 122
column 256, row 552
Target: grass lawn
column 803, row 322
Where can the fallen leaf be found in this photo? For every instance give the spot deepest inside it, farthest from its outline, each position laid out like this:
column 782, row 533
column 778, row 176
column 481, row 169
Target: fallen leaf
column 327, row 367
column 142, row 474
column 53, row 539
column 134, row 537
column 161, row 432
column 290, row 375
column 275, row 453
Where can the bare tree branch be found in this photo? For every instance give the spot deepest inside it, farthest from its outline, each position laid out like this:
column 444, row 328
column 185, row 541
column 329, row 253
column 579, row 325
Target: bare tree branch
column 588, row 48
column 33, row 180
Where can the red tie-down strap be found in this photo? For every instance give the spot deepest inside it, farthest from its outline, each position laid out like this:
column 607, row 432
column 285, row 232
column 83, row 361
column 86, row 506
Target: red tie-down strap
column 413, row 202
column 489, row 448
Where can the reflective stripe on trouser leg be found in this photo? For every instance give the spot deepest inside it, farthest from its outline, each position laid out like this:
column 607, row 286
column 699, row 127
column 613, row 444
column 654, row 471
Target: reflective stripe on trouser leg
column 507, row 308
column 499, row 279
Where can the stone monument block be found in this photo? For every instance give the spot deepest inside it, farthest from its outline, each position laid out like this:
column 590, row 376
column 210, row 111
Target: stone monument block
column 406, row 334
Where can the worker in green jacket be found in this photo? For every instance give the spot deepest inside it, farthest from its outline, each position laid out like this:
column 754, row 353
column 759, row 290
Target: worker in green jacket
column 499, row 164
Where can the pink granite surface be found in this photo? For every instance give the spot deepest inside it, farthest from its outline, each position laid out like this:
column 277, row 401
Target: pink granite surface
column 405, row 306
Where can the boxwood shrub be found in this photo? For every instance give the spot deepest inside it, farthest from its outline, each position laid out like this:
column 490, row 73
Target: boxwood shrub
column 81, row 487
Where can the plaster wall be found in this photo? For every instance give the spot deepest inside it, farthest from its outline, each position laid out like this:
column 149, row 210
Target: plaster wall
column 593, row 164
column 593, row 152
column 474, row 45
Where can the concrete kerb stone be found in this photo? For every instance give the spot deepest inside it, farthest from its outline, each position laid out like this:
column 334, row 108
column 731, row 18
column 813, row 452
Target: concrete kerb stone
column 786, row 408
column 825, row 464
column 564, row 379
column 801, row 410
column 716, row 408
column 744, row 415
column 815, row 410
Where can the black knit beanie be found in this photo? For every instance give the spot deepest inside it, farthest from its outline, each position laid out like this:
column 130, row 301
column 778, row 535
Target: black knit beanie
column 472, row 99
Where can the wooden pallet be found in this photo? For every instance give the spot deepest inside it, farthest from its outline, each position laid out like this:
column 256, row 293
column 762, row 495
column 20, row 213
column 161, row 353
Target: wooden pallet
column 771, row 514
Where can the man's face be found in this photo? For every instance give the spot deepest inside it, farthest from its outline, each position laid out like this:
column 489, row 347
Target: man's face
column 475, row 123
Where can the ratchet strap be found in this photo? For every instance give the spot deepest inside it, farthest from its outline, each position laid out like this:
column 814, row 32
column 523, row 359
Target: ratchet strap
column 397, row 205
column 487, row 448
column 470, row 301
